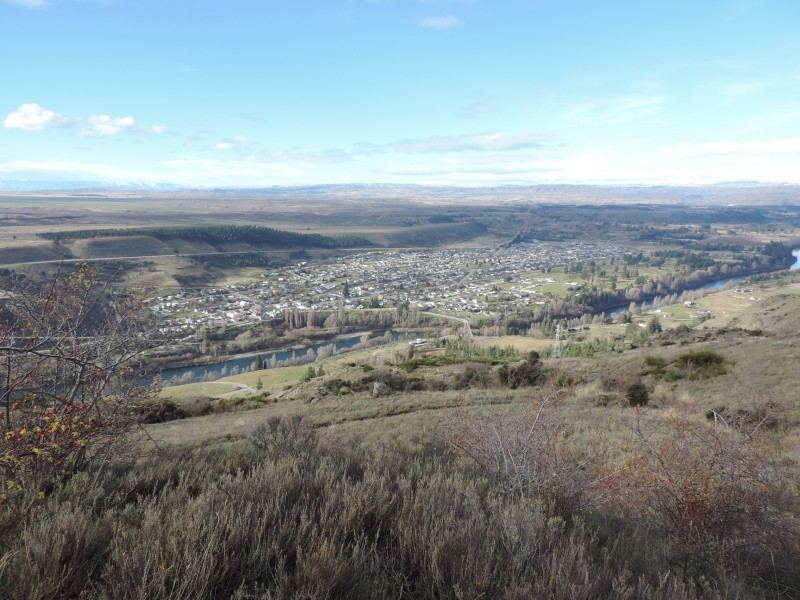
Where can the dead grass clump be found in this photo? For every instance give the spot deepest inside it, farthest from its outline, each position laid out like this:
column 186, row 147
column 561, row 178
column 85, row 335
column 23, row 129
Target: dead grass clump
column 596, row 393
column 662, row 396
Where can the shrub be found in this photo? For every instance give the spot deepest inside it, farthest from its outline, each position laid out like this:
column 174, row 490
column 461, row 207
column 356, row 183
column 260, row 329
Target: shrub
column 528, row 453
column 637, row 394
column 163, row 410
column 529, row 372
column 279, row 436
column 654, row 361
column 716, row 493
column 474, row 375
column 344, row 521
column 70, row 390
column 701, row 364
column 654, row 325
column 698, row 359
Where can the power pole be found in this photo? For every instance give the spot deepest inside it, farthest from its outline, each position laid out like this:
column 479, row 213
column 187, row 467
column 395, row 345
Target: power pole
column 556, row 353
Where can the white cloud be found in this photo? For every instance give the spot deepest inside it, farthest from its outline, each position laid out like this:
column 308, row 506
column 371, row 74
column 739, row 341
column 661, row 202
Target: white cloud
column 492, row 141
column 239, row 173
column 440, row 22
column 715, row 65
column 239, row 142
column 105, row 125
column 743, row 88
column 785, row 146
column 616, row 111
column 764, row 122
column 329, row 156
column 28, row 3
column 32, row 117
column 489, row 171
column 63, row 168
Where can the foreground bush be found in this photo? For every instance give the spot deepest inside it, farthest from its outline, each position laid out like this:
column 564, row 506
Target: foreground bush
column 275, row 520
column 717, row 491
column 72, row 382
column 530, row 454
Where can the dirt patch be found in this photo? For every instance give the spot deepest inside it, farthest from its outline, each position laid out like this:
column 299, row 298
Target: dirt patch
column 190, row 246
column 237, row 247
column 779, row 314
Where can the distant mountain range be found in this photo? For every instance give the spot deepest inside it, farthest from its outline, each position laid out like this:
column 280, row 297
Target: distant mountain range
column 24, row 185
column 740, row 193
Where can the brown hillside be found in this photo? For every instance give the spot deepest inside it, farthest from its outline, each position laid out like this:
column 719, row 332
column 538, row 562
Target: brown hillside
column 112, row 247
column 31, row 253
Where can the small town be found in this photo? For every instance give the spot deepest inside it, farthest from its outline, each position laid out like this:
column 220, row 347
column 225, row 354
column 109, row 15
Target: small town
column 452, row 282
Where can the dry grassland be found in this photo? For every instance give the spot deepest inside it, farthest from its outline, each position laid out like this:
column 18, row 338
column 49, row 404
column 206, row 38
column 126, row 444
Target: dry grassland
column 521, row 343
column 761, row 370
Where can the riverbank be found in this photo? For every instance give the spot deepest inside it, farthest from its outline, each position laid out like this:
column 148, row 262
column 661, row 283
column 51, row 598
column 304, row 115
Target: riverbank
column 712, row 285
column 291, row 356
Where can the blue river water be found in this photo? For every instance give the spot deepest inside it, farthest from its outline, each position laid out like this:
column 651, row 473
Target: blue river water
column 717, row 284
column 245, row 363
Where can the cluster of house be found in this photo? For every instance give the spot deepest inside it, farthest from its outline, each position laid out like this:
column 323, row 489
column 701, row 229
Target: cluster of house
column 457, row 280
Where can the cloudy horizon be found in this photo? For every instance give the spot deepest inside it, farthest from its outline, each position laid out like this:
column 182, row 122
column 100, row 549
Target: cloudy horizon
column 429, row 92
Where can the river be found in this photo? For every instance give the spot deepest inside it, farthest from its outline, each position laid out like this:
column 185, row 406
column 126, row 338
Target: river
column 717, row 284
column 242, row 364
column 721, row 283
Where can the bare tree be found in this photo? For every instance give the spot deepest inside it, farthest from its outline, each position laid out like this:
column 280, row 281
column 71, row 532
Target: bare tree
column 72, row 377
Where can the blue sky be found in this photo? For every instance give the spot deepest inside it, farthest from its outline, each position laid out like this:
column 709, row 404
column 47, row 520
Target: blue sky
column 465, row 92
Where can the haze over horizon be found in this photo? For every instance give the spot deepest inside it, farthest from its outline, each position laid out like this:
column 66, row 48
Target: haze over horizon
column 429, row 92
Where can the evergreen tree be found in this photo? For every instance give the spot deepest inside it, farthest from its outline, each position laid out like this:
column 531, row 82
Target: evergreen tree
column 654, row 325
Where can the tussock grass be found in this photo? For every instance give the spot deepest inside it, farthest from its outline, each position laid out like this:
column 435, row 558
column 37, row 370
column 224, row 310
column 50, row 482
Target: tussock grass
column 344, row 521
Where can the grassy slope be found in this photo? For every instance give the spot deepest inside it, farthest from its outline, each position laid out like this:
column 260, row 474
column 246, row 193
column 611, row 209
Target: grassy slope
column 761, row 368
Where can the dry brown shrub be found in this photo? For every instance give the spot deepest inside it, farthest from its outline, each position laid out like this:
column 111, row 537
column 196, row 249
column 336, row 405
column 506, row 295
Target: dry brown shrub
column 531, row 452
column 279, row 435
column 715, row 490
